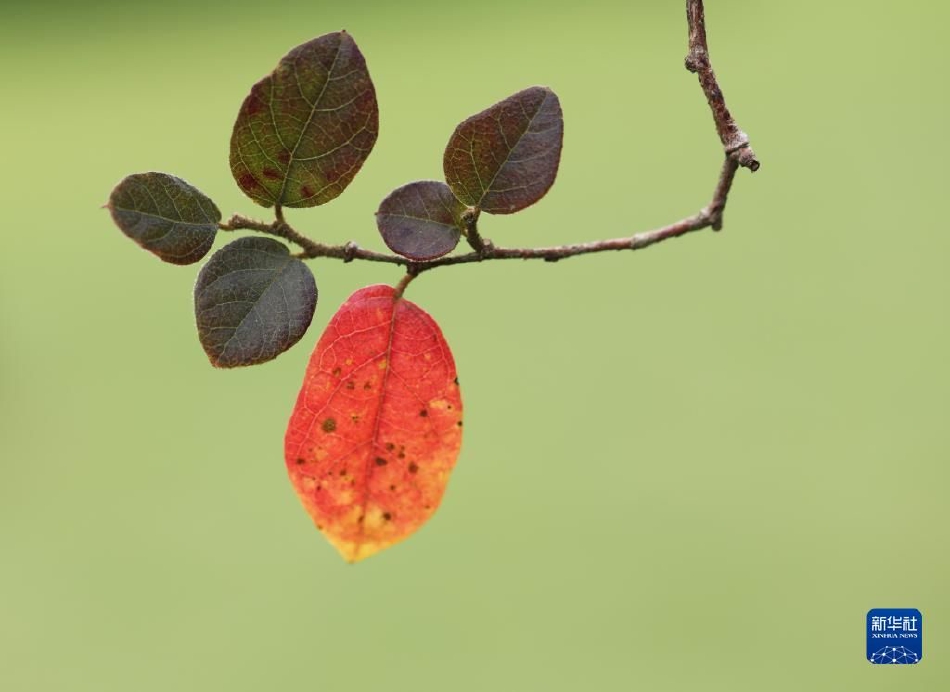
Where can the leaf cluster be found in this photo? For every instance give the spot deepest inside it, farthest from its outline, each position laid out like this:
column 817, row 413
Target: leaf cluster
column 377, row 426
column 301, row 135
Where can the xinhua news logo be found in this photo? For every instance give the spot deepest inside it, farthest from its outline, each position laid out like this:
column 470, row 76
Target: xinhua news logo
column 895, row 636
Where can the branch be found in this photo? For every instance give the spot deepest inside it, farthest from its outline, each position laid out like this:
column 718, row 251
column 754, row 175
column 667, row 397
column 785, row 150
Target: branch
column 734, row 140
column 311, row 249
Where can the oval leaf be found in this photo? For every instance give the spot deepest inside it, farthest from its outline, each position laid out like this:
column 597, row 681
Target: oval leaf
column 506, row 157
column 377, row 425
column 165, row 215
column 305, row 130
column 421, row 220
column 253, row 301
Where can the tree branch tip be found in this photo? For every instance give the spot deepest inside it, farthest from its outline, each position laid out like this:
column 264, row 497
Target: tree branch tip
column 744, row 156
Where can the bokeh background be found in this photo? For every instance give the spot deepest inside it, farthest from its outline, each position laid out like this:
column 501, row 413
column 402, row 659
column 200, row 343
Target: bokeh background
column 690, row 468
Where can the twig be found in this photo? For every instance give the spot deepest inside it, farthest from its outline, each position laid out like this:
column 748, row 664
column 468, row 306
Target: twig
column 734, row 140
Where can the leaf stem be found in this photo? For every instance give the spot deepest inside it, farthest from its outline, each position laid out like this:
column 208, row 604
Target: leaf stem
column 737, row 153
column 400, row 288
column 475, row 240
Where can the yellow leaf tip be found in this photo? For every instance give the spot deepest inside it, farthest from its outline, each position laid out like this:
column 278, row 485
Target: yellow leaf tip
column 353, row 552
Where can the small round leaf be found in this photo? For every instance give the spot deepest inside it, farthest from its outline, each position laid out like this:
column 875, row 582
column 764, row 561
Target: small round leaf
column 253, row 301
column 305, row 130
column 165, row 215
column 506, row 157
column 421, row 220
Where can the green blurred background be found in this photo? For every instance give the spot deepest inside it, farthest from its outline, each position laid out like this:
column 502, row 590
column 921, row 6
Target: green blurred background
column 690, row 468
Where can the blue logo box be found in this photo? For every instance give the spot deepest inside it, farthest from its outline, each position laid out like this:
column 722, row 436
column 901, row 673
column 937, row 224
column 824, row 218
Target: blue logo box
column 895, row 636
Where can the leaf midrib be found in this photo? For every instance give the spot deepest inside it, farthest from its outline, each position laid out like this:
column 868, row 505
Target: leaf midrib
column 527, row 129
column 277, row 275
column 374, row 439
column 313, row 110
column 165, row 218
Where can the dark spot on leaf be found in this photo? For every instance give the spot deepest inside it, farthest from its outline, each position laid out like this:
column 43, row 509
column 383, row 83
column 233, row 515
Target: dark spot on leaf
column 351, row 385
column 336, row 372
column 456, row 381
column 329, row 425
column 390, row 446
column 459, row 424
column 249, row 182
column 301, row 461
column 449, row 407
column 284, row 157
column 343, row 471
column 272, row 174
column 392, row 487
column 413, row 467
column 387, row 516
column 425, row 413
column 380, row 461
column 306, row 191
column 362, row 517
column 367, row 385
column 355, row 417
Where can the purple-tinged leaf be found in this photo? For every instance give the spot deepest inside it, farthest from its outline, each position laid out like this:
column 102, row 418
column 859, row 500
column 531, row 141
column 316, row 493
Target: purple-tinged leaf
column 421, row 220
column 506, row 157
column 305, row 130
column 165, row 215
column 253, row 301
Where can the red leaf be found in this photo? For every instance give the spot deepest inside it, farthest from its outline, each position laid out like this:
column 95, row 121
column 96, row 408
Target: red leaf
column 378, row 424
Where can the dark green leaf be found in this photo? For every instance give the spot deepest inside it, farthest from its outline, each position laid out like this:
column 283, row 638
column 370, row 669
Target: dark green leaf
column 506, row 157
column 421, row 220
column 165, row 215
column 253, row 301
column 305, row 130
